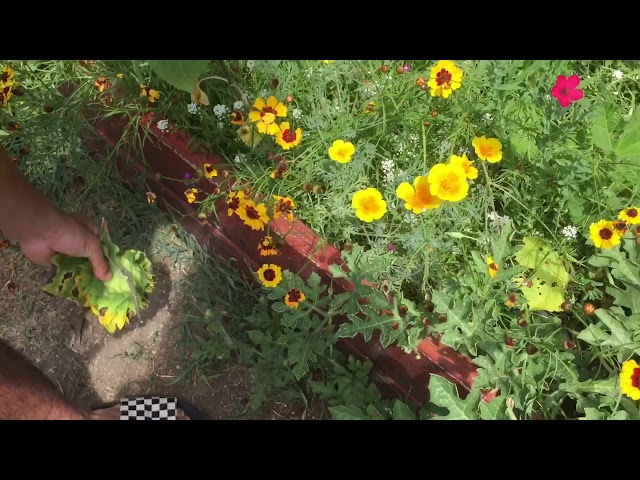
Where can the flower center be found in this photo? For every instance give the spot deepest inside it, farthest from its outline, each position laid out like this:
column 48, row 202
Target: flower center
column 635, row 378
column 622, row 226
column 343, row 152
column 268, row 115
column 486, row 150
column 632, row 212
column 289, row 136
column 252, row 213
column 443, row 77
column 235, row 203
column 369, row 205
column 448, row 184
column 294, row 295
column 605, row 234
column 564, row 91
column 5, row 77
column 493, row 266
column 269, row 275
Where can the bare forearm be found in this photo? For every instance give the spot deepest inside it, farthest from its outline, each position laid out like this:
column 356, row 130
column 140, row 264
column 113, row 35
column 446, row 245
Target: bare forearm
column 24, row 212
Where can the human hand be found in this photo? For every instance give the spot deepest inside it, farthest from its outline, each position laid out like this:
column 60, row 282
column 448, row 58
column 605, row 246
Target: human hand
column 71, row 234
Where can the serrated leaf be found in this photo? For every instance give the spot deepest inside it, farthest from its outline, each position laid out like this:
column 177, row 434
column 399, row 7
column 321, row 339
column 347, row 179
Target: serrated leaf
column 494, row 410
column 401, row 411
column 182, row 74
column 347, row 413
column 368, row 326
column 443, row 393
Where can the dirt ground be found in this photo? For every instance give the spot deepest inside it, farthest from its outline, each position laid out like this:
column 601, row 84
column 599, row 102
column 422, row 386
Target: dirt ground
column 92, row 367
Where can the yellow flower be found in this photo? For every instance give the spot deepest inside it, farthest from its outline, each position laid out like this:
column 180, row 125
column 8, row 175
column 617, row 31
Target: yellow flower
column 489, row 149
column 249, row 135
column 630, row 379
column 267, row 247
column 120, row 75
column 445, row 77
column 448, row 182
column 191, row 194
column 270, row 275
column 5, row 95
column 327, row 62
column 469, row 170
column 604, row 234
column 369, row 205
column 294, row 297
column 150, row 93
column 209, row 171
column 254, row 216
column 288, row 138
column 630, row 215
column 341, row 151
column 8, row 75
column 233, row 200
column 237, row 117
column 370, row 108
column 419, row 198
column 512, row 300
column 493, row 267
column 264, row 114
column 102, row 84
column 283, row 206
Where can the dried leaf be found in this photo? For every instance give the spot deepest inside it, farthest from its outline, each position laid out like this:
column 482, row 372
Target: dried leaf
column 198, row 96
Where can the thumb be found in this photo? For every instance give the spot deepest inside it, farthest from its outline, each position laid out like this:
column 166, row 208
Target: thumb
column 93, row 251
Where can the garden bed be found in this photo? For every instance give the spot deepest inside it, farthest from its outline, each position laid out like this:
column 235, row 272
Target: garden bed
column 167, row 157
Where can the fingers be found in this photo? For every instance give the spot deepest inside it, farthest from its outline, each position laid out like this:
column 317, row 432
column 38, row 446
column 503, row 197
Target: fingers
column 86, row 222
column 93, row 251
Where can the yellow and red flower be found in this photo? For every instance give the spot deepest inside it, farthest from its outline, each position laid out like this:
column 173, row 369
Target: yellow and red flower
column 621, row 226
column 630, row 215
column 237, row 117
column 448, row 182
column 369, row 204
column 270, row 275
column 254, row 216
column 233, row 200
column 209, row 171
column 264, row 114
column 294, row 297
column 604, row 234
column 8, row 75
column 370, row 108
column 489, row 149
column 512, row 299
column 191, row 193
column 630, row 379
column 493, row 267
column 467, row 165
column 444, row 78
column 151, row 93
column 102, row 84
column 5, row 95
column 418, row 198
column 283, row 206
column 341, row 151
column 267, row 247
column 287, row 138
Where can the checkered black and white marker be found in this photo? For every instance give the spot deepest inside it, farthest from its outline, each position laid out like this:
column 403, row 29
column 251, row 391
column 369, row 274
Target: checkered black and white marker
column 150, row 408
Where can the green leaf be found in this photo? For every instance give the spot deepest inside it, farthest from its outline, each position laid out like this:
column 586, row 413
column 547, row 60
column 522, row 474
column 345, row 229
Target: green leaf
column 124, row 295
column 347, row 413
column 542, row 295
column 603, row 123
column 629, row 145
column 182, row 74
column 619, row 336
column 592, row 414
column 537, row 254
column 494, row 410
column 401, row 411
column 443, row 393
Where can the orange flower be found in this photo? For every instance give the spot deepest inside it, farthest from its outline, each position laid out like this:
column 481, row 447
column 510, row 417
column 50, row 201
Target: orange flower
column 102, row 84
column 418, row 199
column 267, row 247
column 237, row 117
column 294, row 297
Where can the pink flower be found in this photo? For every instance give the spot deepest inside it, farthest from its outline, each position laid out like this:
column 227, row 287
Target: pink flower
column 565, row 90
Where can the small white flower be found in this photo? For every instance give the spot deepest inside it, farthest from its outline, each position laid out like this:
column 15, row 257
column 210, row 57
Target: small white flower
column 445, row 147
column 570, row 231
column 414, row 137
column 547, row 97
column 219, row 110
column 536, row 233
column 251, row 64
column 388, row 165
column 162, row 125
column 239, row 158
column 463, row 151
column 494, row 216
column 296, row 113
column 264, row 93
column 220, row 124
column 238, row 105
column 618, row 74
column 193, row 108
column 487, row 117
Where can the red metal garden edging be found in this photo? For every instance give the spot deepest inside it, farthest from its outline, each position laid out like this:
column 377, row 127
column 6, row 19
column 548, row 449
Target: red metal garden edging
column 167, row 157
